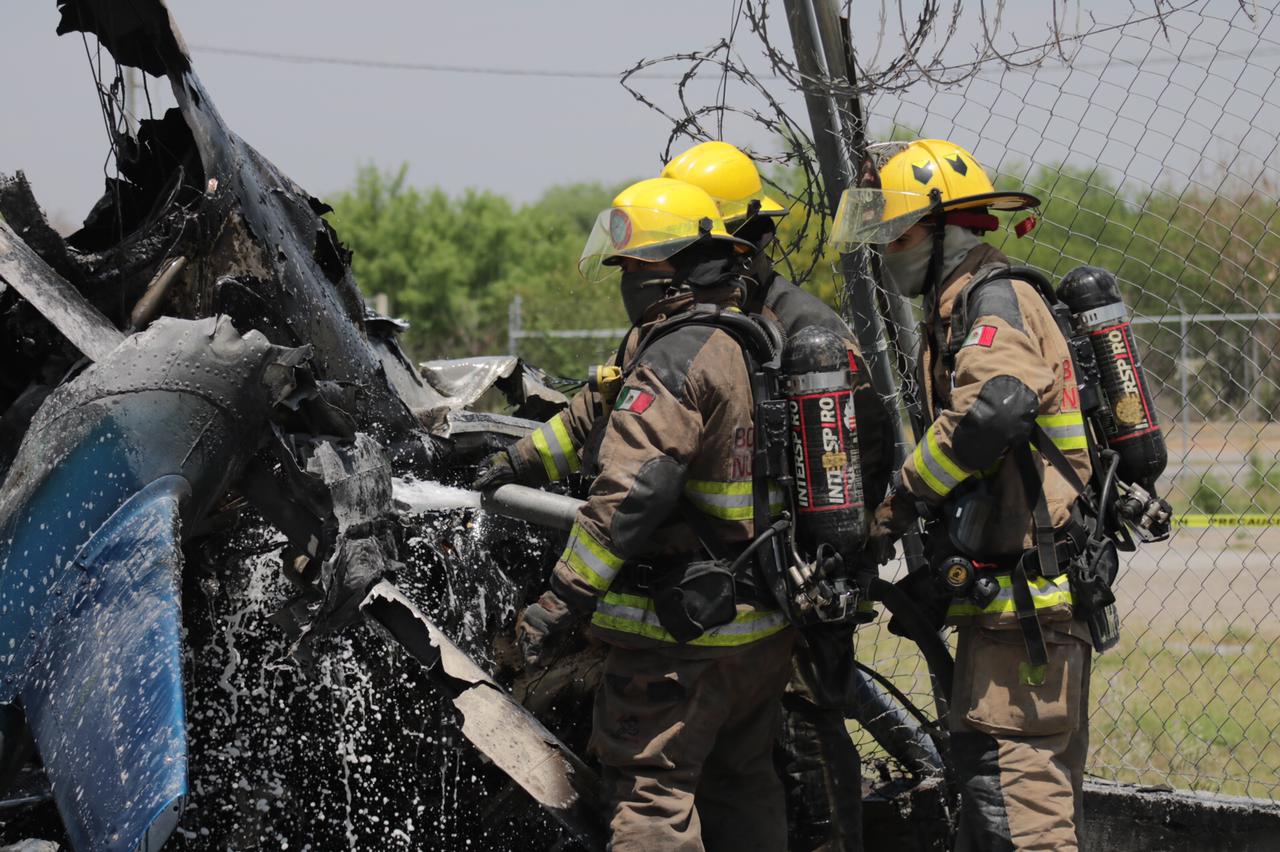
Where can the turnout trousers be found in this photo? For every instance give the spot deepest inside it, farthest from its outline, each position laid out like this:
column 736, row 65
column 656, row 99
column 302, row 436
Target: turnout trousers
column 1019, row 750
column 686, row 747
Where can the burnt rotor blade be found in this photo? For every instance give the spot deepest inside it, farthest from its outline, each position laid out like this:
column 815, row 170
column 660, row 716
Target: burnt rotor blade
column 59, row 302
column 504, row 731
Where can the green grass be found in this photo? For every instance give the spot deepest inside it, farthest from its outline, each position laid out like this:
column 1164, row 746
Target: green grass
column 1195, row 710
column 1198, row 710
column 1259, row 491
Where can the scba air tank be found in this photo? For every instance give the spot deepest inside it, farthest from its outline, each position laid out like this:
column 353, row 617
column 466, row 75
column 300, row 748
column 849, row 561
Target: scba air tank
column 1128, row 417
column 818, row 376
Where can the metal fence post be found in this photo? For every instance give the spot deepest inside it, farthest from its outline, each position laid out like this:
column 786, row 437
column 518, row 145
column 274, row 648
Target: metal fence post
column 514, row 326
column 1184, row 330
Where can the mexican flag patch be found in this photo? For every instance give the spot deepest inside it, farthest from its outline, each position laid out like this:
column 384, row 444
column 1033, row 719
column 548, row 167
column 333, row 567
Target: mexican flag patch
column 634, row 400
column 982, row 335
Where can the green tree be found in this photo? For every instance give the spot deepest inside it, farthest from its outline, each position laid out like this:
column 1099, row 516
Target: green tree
column 451, row 265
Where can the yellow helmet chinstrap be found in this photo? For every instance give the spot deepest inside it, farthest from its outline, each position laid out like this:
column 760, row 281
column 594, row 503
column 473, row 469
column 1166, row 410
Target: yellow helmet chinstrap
column 906, row 195
column 653, row 220
column 729, row 176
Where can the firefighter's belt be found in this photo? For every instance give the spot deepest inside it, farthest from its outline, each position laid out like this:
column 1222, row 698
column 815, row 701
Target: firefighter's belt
column 643, row 577
column 1068, row 543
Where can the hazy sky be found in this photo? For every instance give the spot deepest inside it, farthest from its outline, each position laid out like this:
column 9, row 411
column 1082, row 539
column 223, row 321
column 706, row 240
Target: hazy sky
column 513, row 134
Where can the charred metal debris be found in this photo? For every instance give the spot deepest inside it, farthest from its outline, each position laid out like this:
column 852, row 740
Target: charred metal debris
column 200, row 423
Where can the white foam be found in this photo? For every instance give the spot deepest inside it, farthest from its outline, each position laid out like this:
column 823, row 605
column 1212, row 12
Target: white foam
column 423, row 495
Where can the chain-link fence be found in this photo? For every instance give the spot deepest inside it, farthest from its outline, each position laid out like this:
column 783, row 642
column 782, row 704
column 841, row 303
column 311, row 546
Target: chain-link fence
column 1151, row 137
column 1154, row 150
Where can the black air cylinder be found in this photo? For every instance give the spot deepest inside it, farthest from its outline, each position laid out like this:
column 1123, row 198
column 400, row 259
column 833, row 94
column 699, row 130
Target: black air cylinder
column 1127, row 416
column 818, row 376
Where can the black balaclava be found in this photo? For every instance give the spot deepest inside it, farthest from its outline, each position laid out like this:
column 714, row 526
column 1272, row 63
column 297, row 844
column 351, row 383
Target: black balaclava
column 703, row 267
column 642, row 289
column 760, row 231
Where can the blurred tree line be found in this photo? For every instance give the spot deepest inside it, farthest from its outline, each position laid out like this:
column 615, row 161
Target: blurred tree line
column 452, row 264
column 1176, row 249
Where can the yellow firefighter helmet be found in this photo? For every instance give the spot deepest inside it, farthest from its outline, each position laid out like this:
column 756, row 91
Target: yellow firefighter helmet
column 731, row 179
column 926, row 176
column 653, row 220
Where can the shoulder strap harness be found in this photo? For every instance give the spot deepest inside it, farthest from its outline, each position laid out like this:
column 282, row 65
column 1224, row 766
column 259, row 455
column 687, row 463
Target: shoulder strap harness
column 1033, row 485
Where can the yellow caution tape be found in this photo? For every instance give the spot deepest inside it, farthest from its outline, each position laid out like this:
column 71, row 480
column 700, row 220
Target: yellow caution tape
column 1226, row 520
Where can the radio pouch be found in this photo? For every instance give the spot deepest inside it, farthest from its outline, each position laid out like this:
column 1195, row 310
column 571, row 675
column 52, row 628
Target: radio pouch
column 688, row 603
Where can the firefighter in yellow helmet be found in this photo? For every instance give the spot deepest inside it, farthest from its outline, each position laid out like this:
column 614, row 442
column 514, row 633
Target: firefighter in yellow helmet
column 688, row 705
column 1000, row 390
column 824, row 795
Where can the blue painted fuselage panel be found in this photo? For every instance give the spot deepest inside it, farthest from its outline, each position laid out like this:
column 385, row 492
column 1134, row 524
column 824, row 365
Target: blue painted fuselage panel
column 90, row 617
column 104, row 697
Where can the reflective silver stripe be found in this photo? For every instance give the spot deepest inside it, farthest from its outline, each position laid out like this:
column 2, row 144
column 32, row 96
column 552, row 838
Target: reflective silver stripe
column 947, row 480
column 729, row 501
column 940, row 473
column 1062, row 433
column 1066, row 430
column 553, row 450
column 554, row 444
column 591, row 560
column 732, row 500
column 634, row 614
column 810, row 382
column 721, row 501
column 1098, row 316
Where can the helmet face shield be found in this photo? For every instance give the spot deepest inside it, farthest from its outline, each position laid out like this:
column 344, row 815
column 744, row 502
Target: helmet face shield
column 643, row 233
column 876, row 216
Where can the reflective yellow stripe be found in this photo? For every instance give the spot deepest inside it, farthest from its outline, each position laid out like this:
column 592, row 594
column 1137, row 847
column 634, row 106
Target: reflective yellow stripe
column 728, row 501
column 555, row 448
column 1066, row 430
column 712, row 486
column 935, row 467
column 635, row 614
column 1064, row 418
column 1045, row 593
column 590, row 560
column 957, row 473
column 731, row 500
column 922, row 469
column 544, row 453
column 566, row 443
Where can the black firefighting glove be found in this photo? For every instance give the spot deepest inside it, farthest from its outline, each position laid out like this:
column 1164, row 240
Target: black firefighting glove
column 928, row 600
column 542, row 627
column 494, row 471
column 893, row 517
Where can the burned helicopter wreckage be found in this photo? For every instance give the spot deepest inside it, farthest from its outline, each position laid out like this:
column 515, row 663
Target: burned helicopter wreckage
column 199, row 427
column 190, row 373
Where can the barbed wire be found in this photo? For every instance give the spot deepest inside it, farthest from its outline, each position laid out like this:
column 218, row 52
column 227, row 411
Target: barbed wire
column 795, row 174
column 1159, row 175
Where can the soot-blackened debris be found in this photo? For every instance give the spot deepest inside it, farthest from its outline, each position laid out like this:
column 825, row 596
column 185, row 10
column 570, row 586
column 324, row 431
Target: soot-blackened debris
column 357, row 751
